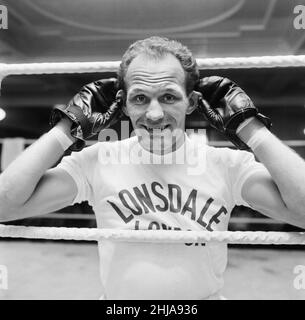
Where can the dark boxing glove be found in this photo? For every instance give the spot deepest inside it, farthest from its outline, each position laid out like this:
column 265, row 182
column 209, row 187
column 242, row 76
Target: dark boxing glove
column 226, row 106
column 95, row 107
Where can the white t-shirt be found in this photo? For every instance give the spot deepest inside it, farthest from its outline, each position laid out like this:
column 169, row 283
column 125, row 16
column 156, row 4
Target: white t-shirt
column 196, row 192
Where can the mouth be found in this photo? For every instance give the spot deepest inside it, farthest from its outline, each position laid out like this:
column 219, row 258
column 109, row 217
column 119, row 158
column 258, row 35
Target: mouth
column 155, row 129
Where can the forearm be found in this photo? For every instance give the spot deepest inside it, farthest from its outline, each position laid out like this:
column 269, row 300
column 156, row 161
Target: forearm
column 286, row 168
column 20, row 179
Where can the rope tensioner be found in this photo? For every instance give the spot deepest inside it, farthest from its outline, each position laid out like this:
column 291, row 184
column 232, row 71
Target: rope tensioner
column 154, row 236
column 112, row 66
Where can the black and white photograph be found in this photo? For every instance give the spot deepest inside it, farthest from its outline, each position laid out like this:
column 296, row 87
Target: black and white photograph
column 152, row 150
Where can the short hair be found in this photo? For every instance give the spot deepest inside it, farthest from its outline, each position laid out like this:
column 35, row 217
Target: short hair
column 158, row 47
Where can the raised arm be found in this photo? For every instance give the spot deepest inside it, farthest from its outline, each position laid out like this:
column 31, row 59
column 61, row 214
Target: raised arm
column 28, row 187
column 278, row 192
column 281, row 194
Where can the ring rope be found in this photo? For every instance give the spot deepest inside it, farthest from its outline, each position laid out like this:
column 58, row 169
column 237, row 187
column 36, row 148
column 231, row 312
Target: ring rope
column 219, row 143
column 155, row 236
column 112, row 66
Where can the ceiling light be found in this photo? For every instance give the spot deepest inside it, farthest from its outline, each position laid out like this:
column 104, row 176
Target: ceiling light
column 2, row 114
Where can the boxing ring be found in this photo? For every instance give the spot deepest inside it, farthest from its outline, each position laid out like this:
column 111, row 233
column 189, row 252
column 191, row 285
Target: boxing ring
column 156, row 236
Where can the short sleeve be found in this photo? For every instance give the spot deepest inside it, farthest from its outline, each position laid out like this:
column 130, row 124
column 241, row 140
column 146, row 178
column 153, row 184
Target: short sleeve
column 243, row 166
column 80, row 166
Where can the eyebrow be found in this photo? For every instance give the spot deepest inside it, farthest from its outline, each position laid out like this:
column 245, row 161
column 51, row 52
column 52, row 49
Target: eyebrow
column 163, row 88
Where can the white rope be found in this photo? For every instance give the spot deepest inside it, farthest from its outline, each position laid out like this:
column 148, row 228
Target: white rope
column 112, row 66
column 155, row 236
column 252, row 62
column 219, row 143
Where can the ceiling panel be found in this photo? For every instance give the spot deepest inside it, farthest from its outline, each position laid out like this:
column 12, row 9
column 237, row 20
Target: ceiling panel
column 58, row 30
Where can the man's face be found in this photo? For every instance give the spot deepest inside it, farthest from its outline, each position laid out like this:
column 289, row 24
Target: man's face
column 156, row 102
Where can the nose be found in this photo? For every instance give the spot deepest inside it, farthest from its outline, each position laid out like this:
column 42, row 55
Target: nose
column 154, row 111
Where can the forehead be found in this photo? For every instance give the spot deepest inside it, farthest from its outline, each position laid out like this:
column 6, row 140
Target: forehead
column 145, row 71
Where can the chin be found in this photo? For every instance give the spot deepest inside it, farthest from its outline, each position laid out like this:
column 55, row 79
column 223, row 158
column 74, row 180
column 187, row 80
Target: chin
column 159, row 144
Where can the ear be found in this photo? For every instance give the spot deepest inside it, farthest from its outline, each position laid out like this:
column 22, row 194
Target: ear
column 122, row 96
column 193, row 100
